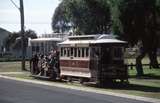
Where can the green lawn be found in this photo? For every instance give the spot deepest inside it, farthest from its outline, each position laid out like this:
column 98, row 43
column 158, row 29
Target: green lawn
column 12, row 66
column 154, row 73
column 145, row 60
column 147, row 85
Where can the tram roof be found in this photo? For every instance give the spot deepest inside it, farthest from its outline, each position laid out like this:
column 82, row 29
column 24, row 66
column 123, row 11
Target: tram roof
column 92, row 39
column 45, row 39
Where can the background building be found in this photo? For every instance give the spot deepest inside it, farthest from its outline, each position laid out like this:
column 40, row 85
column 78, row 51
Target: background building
column 3, row 35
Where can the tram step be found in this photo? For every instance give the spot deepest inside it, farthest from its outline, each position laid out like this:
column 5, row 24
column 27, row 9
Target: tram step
column 41, row 77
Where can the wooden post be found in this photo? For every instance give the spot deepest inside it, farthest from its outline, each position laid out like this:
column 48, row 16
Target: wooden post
column 22, row 33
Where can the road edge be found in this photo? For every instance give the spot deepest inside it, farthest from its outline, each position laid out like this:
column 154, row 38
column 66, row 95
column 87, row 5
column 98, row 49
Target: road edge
column 140, row 98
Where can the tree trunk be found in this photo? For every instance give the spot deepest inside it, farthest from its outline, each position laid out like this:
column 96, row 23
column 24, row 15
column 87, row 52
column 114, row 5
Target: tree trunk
column 139, row 66
column 153, row 59
column 154, row 40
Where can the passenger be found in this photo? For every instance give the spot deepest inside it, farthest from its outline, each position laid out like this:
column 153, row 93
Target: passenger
column 34, row 64
column 52, row 65
column 57, row 68
column 46, row 65
column 44, row 69
column 40, row 65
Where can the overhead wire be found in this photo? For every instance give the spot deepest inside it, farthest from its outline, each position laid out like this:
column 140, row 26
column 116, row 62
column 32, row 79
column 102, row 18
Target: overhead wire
column 15, row 4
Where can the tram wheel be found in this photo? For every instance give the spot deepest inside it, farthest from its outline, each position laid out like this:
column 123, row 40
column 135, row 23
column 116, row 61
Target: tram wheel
column 69, row 79
column 81, row 80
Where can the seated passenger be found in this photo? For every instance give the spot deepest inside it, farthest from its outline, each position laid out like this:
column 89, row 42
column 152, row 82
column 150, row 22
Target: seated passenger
column 34, row 64
column 40, row 65
column 52, row 63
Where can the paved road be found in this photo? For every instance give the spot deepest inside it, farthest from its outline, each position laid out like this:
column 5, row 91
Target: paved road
column 12, row 91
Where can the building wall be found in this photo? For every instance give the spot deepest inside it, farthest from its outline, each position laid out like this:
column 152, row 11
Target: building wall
column 3, row 35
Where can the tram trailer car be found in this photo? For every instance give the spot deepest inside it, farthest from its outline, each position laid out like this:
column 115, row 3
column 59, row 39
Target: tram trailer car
column 97, row 58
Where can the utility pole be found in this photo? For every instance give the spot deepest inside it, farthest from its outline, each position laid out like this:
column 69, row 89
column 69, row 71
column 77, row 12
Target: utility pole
column 23, row 36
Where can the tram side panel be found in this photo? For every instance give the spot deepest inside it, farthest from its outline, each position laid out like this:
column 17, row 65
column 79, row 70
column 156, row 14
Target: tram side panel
column 74, row 62
column 75, row 68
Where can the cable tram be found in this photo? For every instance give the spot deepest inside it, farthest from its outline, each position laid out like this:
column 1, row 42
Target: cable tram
column 97, row 58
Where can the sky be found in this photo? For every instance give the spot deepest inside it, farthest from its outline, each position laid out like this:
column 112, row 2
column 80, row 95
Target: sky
column 38, row 15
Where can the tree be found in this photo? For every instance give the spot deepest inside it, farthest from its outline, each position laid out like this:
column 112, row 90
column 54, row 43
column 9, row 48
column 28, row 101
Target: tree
column 14, row 39
column 82, row 16
column 100, row 12
column 134, row 21
column 60, row 22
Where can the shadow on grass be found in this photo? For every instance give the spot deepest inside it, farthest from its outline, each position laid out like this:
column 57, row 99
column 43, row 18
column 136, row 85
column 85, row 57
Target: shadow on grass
column 135, row 87
column 115, row 86
column 147, row 76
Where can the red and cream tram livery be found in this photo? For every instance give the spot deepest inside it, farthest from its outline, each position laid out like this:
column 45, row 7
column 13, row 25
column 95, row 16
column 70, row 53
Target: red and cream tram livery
column 97, row 58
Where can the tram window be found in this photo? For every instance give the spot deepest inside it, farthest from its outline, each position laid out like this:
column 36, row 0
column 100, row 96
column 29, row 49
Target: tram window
column 37, row 49
column 83, row 52
column 75, row 52
column 68, row 52
column 33, row 48
column 71, row 51
column 87, row 52
column 62, row 49
column 64, row 52
column 79, row 52
column 42, row 45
